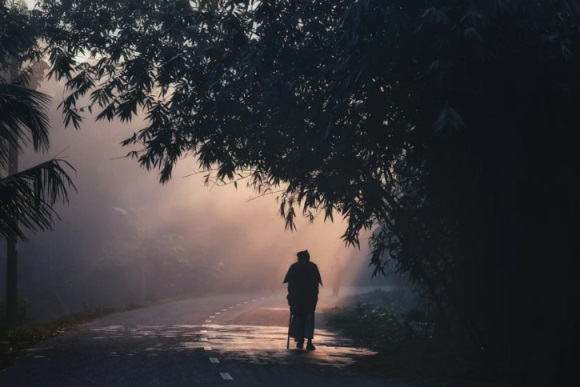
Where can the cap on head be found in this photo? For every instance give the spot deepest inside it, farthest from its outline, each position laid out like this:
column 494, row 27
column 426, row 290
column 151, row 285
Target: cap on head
column 303, row 255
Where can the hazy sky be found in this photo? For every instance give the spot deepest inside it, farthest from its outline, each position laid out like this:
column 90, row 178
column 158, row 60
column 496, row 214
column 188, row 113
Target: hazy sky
column 122, row 216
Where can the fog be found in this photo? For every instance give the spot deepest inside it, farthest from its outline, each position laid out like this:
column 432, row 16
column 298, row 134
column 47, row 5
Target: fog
column 125, row 238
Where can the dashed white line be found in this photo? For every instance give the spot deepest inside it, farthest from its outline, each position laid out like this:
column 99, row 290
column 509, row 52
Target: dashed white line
column 203, row 339
column 211, row 316
column 226, row 376
column 207, row 321
column 214, row 360
column 208, row 348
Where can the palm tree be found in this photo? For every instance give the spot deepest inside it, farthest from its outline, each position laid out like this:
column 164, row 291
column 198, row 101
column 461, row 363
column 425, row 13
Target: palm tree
column 29, row 195
column 26, row 197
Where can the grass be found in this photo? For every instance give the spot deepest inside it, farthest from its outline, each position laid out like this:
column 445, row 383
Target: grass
column 403, row 337
column 14, row 342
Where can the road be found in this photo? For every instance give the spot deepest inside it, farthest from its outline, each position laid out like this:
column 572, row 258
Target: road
column 220, row 340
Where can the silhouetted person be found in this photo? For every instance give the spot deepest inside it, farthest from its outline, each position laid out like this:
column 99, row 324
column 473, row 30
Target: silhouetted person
column 303, row 279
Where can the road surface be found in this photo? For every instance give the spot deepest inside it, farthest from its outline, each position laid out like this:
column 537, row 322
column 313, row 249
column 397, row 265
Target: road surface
column 219, row 340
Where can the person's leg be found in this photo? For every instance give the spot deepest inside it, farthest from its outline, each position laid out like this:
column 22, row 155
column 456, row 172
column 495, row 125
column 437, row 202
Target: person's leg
column 298, row 323
column 309, row 330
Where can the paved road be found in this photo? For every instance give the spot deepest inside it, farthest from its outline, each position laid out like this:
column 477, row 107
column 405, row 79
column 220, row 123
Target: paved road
column 226, row 340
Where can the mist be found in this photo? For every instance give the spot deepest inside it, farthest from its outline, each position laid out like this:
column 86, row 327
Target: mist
column 125, row 238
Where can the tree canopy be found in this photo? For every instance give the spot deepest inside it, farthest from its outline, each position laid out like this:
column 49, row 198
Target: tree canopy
column 442, row 125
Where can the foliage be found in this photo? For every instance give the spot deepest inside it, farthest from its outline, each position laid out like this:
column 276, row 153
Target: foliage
column 26, row 197
column 405, row 346
column 376, row 326
column 443, row 125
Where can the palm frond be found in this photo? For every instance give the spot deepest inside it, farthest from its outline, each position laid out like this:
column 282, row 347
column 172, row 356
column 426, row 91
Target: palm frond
column 27, row 198
column 23, row 119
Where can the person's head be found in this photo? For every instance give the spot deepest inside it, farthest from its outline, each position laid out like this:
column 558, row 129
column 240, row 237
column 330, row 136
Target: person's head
column 303, row 256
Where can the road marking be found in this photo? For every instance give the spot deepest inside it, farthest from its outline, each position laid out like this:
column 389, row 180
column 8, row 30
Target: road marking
column 231, row 307
column 253, row 300
column 226, row 376
column 207, row 321
column 214, row 360
column 211, row 316
column 245, row 302
column 208, row 348
column 203, row 331
column 30, row 349
column 224, row 310
column 218, row 312
column 203, row 339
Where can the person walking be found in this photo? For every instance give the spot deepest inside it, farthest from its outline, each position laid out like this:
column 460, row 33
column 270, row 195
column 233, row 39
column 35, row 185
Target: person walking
column 303, row 279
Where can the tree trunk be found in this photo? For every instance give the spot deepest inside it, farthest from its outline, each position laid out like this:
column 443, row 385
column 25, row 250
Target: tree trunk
column 11, row 242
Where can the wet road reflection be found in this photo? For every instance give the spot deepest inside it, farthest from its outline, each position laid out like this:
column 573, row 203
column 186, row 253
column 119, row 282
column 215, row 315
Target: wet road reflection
column 267, row 345
column 244, row 343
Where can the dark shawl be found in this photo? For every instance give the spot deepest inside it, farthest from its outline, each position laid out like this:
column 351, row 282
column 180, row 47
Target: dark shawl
column 303, row 279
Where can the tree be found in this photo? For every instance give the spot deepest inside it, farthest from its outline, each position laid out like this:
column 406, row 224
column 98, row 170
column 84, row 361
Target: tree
column 26, row 197
column 443, row 125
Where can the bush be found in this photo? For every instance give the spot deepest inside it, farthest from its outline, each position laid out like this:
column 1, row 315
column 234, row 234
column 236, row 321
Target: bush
column 378, row 326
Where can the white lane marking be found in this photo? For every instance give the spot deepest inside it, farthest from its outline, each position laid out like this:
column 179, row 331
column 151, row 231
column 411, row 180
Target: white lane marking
column 211, row 316
column 203, row 339
column 207, row 321
column 253, row 300
column 231, row 307
column 238, row 304
column 226, row 376
column 203, row 331
column 224, row 310
column 214, row 360
column 30, row 349
column 208, row 348
column 218, row 312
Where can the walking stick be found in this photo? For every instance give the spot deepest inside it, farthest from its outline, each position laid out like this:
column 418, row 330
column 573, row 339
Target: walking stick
column 288, row 339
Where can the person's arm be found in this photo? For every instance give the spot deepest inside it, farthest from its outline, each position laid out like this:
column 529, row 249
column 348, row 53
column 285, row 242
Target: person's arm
column 290, row 280
column 289, row 275
column 318, row 276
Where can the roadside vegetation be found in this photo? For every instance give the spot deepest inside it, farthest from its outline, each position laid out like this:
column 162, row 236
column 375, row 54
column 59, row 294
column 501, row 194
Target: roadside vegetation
column 408, row 341
column 14, row 342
